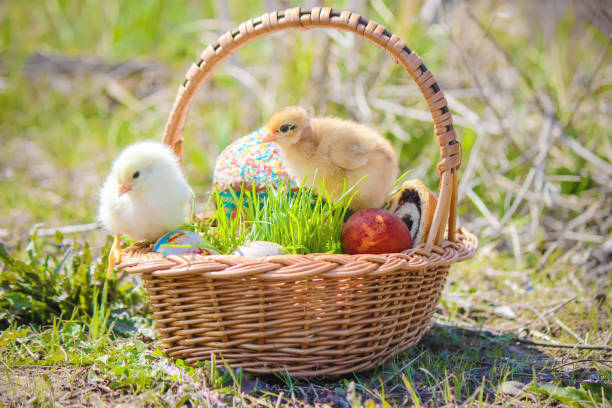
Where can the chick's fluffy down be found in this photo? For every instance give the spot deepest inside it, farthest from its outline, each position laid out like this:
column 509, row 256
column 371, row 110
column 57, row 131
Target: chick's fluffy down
column 159, row 199
column 335, row 152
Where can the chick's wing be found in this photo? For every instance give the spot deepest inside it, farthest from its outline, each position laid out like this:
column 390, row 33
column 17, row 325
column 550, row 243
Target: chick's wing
column 348, row 153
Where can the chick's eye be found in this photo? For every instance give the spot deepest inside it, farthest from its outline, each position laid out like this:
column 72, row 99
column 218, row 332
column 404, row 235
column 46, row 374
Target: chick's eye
column 136, row 174
column 286, row 127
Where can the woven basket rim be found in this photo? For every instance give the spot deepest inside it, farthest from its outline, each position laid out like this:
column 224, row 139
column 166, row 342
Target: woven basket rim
column 291, row 267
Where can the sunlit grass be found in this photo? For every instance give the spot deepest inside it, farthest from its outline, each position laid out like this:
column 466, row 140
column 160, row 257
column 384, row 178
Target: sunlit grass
column 301, row 221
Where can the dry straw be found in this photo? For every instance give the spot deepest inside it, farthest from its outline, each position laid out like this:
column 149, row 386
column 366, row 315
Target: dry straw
column 315, row 314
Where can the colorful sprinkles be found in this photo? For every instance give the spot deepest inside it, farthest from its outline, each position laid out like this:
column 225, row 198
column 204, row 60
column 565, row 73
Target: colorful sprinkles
column 249, row 161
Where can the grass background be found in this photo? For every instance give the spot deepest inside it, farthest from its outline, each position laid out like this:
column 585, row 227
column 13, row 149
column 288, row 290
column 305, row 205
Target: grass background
column 529, row 87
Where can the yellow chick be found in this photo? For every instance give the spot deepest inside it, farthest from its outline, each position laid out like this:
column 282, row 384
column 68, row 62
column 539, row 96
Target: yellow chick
column 144, row 196
column 335, row 151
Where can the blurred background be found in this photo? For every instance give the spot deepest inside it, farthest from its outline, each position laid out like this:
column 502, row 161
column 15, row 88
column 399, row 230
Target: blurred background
column 528, row 83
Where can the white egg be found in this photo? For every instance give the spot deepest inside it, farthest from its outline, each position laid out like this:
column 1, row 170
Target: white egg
column 259, row 249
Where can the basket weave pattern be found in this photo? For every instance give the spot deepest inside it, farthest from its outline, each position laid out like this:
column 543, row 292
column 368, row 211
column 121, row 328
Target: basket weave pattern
column 320, row 313
column 317, row 314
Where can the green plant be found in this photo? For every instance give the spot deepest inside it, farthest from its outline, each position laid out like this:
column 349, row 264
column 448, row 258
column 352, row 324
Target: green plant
column 587, row 395
column 62, row 283
column 301, row 221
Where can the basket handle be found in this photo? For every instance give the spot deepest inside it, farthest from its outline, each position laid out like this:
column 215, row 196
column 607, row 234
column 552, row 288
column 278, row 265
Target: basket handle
column 301, row 18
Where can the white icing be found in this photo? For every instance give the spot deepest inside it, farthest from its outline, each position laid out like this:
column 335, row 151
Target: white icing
column 411, row 210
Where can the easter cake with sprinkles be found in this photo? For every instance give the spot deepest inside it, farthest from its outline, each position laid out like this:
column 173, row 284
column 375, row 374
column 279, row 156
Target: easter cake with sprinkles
column 250, row 162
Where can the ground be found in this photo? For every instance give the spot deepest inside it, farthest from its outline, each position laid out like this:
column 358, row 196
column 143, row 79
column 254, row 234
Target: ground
column 494, row 369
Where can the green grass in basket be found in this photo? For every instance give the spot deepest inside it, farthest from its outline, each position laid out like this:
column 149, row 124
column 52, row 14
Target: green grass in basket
column 301, row 221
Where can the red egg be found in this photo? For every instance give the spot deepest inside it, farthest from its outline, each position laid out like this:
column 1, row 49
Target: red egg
column 375, row 231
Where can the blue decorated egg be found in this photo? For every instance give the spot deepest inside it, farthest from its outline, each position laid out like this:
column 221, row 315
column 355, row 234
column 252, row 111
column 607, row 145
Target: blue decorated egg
column 182, row 242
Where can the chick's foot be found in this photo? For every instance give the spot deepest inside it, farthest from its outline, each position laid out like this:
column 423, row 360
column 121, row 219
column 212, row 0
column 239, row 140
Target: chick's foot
column 114, row 256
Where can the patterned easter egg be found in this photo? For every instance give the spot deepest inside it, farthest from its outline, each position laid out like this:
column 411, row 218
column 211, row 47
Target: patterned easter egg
column 259, row 249
column 249, row 161
column 181, row 242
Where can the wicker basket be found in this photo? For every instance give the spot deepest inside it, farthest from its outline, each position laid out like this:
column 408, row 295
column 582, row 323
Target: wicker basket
column 317, row 314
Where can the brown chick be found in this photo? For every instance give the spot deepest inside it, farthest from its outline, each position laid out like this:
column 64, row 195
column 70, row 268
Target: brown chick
column 334, row 151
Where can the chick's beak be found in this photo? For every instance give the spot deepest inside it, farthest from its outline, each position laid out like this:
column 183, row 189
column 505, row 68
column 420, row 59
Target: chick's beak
column 124, row 188
column 268, row 136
